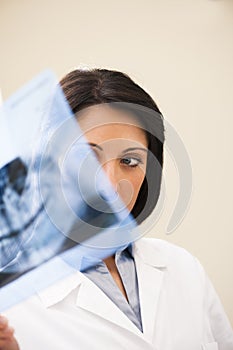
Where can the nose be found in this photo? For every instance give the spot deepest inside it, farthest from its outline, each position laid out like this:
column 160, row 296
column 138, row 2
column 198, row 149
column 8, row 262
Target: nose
column 110, row 170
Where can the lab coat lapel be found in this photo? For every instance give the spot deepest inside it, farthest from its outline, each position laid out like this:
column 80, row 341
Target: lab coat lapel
column 91, row 298
column 150, row 264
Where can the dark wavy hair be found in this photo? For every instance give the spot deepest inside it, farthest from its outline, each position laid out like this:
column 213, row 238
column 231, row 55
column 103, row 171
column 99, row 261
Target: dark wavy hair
column 85, row 88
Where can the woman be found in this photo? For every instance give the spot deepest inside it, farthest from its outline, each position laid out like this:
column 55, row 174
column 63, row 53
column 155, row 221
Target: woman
column 151, row 295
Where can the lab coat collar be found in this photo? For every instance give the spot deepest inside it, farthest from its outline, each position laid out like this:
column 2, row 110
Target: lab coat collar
column 150, row 251
column 58, row 291
column 150, row 263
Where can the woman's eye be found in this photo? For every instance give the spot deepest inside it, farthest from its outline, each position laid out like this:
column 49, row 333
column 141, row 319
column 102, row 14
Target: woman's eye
column 131, row 161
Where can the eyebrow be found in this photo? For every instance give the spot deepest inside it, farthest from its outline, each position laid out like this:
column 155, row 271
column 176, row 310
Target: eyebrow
column 95, row 145
column 125, row 150
column 134, row 149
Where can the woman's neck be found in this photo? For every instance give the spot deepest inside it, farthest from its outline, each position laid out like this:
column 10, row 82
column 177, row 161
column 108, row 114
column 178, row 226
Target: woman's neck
column 112, row 268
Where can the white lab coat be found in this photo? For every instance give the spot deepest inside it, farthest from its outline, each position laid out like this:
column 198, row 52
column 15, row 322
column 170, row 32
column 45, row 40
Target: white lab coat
column 180, row 309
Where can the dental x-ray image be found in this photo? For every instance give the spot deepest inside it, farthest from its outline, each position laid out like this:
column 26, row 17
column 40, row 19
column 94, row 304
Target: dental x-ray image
column 14, row 216
column 56, row 204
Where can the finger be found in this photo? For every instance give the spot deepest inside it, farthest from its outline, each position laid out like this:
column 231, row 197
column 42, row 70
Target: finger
column 3, row 322
column 5, row 343
column 7, row 333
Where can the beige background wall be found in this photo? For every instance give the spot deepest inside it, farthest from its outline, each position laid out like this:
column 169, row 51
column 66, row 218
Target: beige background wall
column 181, row 51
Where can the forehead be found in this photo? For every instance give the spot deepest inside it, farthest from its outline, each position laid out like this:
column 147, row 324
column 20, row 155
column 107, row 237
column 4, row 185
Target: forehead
column 104, row 114
column 103, row 122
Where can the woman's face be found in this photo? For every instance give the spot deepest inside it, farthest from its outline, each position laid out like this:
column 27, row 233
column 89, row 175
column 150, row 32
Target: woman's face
column 120, row 146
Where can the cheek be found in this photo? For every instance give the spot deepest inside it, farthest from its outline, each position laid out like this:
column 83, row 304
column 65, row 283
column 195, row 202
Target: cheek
column 137, row 182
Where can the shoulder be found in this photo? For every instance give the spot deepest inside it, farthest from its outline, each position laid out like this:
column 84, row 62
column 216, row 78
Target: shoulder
column 169, row 255
column 167, row 249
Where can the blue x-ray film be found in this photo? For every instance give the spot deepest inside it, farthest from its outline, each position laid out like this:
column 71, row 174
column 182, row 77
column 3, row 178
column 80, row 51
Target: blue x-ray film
column 58, row 211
